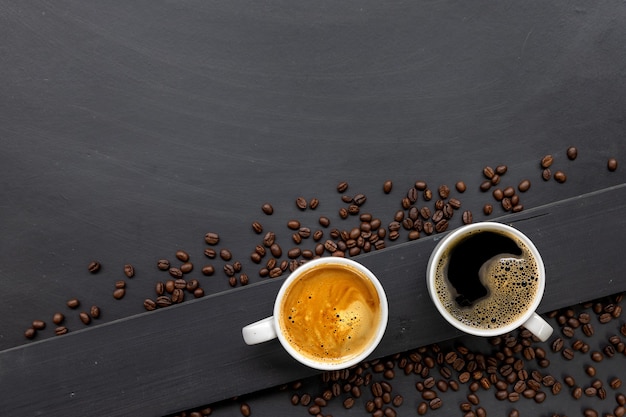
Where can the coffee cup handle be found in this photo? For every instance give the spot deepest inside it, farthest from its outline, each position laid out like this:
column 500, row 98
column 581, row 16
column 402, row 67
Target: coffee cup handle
column 260, row 331
column 539, row 327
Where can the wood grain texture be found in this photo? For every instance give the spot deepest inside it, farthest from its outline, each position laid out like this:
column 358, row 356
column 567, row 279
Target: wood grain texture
column 128, row 366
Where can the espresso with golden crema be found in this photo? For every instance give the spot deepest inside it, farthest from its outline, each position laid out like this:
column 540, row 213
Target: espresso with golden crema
column 330, row 313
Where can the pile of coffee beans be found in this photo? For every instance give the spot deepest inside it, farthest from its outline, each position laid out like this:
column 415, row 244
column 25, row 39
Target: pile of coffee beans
column 514, row 370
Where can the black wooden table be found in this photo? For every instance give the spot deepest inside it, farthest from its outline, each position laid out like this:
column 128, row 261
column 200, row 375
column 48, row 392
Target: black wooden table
column 128, row 131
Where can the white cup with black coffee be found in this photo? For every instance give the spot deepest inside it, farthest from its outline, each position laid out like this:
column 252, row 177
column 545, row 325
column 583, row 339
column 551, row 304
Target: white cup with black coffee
column 488, row 279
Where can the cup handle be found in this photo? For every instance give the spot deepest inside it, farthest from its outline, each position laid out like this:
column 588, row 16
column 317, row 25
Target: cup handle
column 539, row 327
column 260, row 331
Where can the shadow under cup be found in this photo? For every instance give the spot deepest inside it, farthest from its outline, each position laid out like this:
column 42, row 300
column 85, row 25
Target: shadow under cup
column 488, row 279
column 331, row 313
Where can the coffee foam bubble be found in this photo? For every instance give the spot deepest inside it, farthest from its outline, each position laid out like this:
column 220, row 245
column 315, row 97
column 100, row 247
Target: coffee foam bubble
column 512, row 286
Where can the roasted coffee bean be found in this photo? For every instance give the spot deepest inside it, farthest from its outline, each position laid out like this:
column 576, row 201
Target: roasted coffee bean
column 460, row 186
column 387, row 186
column 411, row 194
column 39, row 324
column 294, row 253
column 513, row 397
column 30, row 333
column 435, row 403
column 485, row 186
column 611, row 164
column 506, row 204
column 198, row 293
column 163, row 301
column 615, row 383
column 210, row 270
column 441, row 226
column 588, row 412
column 212, row 238
column 149, row 304
column 560, row 177
column 577, row 392
column 524, row 186
column 488, row 172
column 257, row 227
column 348, row 403
column 93, row 267
column 495, row 180
column 119, row 293
column 209, row 253
column 572, row 153
column 427, row 194
column 498, row 194
column 84, row 317
column 567, row 331
column 508, row 192
column 609, row 351
column 175, row 272
column 621, row 399
column 343, row 213
column 245, row 410
column 448, row 211
column 502, row 395
column 487, row 209
column 444, row 191
column 619, row 411
column 73, row 303
column 342, row 187
column 455, row 203
column 557, row 344
column 473, row 398
column 61, row 330
column 546, row 161
column 58, row 318
column 360, row 199
column 226, row 255
column 267, row 208
column 590, row 391
column 186, row 268
column 182, row 256
column 129, row 270
column 301, row 203
column 347, row 199
column 597, row 356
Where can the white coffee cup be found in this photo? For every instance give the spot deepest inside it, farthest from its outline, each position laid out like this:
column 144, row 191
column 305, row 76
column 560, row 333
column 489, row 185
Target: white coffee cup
column 468, row 318
column 347, row 312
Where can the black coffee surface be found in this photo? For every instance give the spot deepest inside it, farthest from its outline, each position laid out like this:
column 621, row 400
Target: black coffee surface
column 467, row 258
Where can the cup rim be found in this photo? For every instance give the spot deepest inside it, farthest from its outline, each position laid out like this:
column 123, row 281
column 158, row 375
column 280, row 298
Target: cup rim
column 472, row 228
column 380, row 331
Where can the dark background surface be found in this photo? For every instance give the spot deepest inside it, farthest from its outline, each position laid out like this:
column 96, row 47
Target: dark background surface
column 130, row 130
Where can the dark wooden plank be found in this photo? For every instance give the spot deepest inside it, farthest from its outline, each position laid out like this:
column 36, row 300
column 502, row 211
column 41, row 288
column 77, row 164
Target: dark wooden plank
column 131, row 365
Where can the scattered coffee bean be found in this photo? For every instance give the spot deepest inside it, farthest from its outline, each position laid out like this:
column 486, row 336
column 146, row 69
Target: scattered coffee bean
column 226, row 255
column 301, row 203
column 119, row 293
column 546, row 161
column 30, row 333
column 84, row 317
column 435, row 403
column 93, row 267
column 460, row 186
column 572, row 153
column 209, row 253
column 94, row 311
column 61, row 330
column 175, row 272
column 611, row 164
column 314, row 203
column 342, row 187
column 488, row 172
column 212, row 238
column 560, row 177
column 267, row 209
column 546, row 174
column 129, row 270
column 615, row 383
column 467, row 217
column 487, row 209
column 257, row 227
column 58, row 318
column 245, row 410
column 209, row 270
column 73, row 303
column 120, row 284
column 577, row 393
column 524, row 186
column 443, row 190
column 422, row 408
column 596, row 356
column 182, row 256
column 39, row 324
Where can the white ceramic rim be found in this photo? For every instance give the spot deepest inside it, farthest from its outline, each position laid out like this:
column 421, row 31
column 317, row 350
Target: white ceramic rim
column 380, row 331
column 462, row 232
